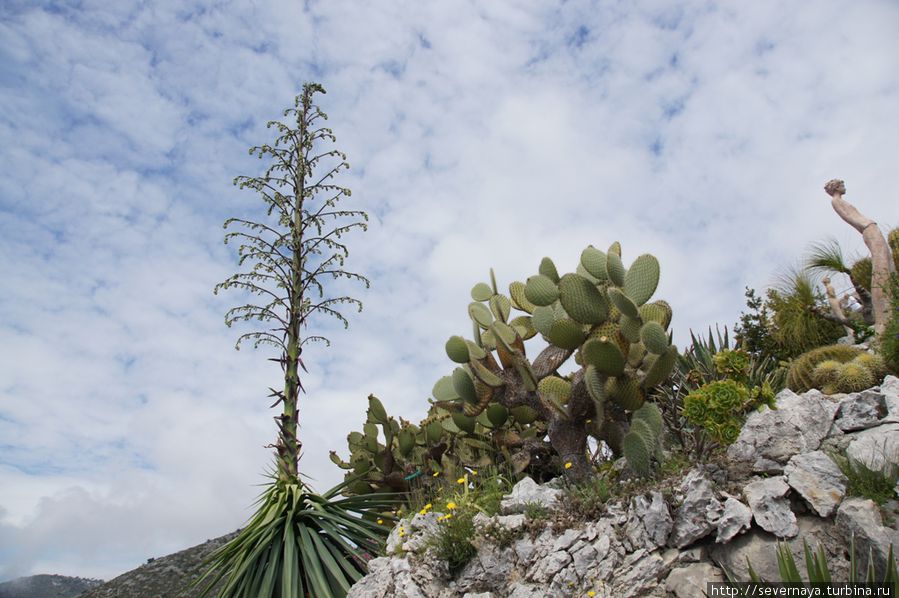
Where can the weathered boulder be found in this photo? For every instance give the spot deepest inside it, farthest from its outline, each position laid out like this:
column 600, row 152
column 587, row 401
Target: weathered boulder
column 761, row 549
column 528, row 492
column 875, row 447
column 649, row 522
column 735, row 519
column 771, row 437
column 690, row 581
column 770, row 507
column 413, row 535
column 890, row 391
column 818, row 480
column 699, row 512
column 860, row 411
column 860, row 518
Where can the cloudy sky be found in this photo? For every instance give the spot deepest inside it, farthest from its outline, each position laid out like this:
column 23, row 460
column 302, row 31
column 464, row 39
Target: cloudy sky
column 481, row 134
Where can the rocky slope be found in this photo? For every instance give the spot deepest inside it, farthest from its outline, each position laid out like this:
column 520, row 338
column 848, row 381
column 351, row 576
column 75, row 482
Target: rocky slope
column 166, row 577
column 46, row 586
column 778, row 484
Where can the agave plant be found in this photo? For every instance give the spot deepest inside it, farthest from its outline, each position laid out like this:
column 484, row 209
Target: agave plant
column 819, row 572
column 300, row 544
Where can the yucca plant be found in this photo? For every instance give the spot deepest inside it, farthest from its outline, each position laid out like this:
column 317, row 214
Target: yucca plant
column 301, row 544
column 298, row 544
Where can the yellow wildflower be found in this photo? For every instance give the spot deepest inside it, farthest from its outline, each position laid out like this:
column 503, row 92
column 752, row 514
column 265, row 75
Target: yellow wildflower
column 474, row 472
column 380, row 521
column 568, row 465
column 460, row 481
column 436, row 473
column 450, row 505
column 428, row 507
column 591, row 593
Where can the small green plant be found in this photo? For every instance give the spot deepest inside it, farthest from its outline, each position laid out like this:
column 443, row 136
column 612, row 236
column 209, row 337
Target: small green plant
column 818, row 571
column 452, row 542
column 535, row 511
column 587, row 500
column 877, row 485
column 718, row 407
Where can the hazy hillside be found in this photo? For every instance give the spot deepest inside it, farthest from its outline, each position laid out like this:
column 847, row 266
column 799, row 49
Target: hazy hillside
column 166, row 577
column 46, row 586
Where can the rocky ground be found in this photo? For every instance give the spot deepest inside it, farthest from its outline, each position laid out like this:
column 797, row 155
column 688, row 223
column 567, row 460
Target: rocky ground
column 778, row 484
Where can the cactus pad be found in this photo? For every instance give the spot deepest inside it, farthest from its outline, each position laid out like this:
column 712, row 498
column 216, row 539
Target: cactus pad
column 457, row 349
column 604, row 355
column 615, row 269
column 541, row 290
column 636, row 450
column 594, row 262
column 464, row 386
column 548, row 269
column 555, row 386
column 501, row 307
column 582, row 300
column 623, row 303
column 661, row 368
column 481, row 292
column 625, row 391
column 566, row 334
column 516, row 291
column 654, row 337
column 480, row 313
column 642, row 279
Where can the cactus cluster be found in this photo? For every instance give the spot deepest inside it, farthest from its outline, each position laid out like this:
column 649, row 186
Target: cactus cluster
column 500, row 404
column 442, row 444
column 836, row 368
column 864, row 371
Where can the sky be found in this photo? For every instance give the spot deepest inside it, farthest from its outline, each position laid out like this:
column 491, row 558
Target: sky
column 480, row 134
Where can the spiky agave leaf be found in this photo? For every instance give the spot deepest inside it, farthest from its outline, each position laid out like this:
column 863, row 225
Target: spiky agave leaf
column 300, row 544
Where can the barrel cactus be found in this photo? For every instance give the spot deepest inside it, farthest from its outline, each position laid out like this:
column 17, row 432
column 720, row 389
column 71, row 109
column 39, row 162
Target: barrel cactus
column 835, row 368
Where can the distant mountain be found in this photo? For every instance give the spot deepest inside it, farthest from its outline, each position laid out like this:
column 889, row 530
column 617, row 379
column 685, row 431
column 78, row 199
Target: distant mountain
column 46, row 586
column 166, row 577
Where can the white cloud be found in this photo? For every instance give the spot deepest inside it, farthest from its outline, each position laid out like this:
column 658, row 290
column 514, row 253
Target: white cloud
column 480, row 136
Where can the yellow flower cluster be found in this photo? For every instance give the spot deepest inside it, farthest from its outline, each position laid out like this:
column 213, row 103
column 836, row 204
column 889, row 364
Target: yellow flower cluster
column 425, row 510
column 445, row 517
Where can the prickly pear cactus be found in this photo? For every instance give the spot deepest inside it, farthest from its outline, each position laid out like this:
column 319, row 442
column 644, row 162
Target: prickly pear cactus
column 498, row 404
column 600, row 315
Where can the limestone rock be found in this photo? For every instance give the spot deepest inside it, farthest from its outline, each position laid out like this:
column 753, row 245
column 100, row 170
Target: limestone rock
column 818, row 480
column 875, row 447
column 527, row 492
column 860, row 517
column 799, row 424
column 690, row 581
column 890, row 391
column 761, row 549
column 699, row 513
column 639, row 572
column 649, row 522
column 860, row 411
column 770, row 508
column 735, row 519
column 416, row 533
